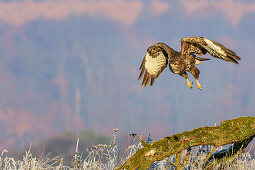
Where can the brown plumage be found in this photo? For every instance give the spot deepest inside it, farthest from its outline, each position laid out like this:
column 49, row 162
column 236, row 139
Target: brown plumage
column 160, row 54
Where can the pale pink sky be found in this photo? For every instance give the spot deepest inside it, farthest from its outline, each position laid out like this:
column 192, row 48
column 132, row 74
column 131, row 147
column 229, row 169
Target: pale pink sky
column 160, row 7
column 123, row 11
column 17, row 13
column 233, row 11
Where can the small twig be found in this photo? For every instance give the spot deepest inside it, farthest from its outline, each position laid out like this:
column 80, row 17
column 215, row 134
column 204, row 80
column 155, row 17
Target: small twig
column 210, row 153
column 131, row 143
column 170, row 163
column 76, row 155
column 177, row 160
column 186, row 158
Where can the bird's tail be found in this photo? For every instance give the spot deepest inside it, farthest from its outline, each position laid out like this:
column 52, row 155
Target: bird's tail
column 199, row 59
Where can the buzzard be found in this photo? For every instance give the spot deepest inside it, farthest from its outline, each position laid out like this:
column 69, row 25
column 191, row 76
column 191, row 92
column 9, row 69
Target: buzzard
column 160, row 54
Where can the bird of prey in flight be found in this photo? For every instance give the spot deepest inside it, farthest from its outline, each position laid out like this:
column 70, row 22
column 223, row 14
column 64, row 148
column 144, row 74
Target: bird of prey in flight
column 160, row 54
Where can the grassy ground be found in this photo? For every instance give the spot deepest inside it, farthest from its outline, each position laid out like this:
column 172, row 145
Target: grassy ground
column 113, row 155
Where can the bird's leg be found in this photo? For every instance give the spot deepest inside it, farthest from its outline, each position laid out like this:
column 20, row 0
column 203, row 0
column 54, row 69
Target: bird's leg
column 195, row 72
column 185, row 75
column 198, row 85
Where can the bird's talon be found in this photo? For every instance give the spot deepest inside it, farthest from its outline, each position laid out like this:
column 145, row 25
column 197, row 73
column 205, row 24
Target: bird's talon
column 189, row 84
column 199, row 87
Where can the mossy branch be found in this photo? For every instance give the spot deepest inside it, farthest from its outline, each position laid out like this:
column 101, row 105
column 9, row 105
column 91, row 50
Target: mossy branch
column 238, row 131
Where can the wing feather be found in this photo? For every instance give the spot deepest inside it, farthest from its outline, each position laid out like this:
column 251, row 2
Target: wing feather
column 200, row 45
column 153, row 78
column 154, row 62
column 144, row 78
column 142, row 68
column 147, row 80
column 141, row 74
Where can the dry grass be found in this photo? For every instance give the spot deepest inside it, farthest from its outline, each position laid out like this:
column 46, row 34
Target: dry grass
column 111, row 156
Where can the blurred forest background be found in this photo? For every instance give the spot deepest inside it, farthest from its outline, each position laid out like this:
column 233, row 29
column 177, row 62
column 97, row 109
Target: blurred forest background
column 69, row 68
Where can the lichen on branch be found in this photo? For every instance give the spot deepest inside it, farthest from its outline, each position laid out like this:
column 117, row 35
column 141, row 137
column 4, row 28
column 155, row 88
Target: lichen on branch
column 236, row 131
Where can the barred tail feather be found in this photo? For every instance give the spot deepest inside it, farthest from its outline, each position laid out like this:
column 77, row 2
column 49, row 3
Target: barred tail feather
column 198, row 60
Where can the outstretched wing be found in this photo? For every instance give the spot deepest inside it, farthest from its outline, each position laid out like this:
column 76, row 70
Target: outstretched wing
column 154, row 62
column 201, row 46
